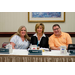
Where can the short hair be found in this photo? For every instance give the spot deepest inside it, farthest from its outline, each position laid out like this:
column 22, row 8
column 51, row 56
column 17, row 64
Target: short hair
column 39, row 24
column 56, row 25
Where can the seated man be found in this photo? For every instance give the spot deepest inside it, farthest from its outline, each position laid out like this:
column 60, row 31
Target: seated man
column 59, row 38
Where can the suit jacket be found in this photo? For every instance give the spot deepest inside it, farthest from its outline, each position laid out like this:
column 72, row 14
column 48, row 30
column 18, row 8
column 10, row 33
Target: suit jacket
column 43, row 41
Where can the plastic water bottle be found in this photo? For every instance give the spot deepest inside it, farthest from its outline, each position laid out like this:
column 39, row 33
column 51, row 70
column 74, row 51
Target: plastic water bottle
column 9, row 46
column 63, row 50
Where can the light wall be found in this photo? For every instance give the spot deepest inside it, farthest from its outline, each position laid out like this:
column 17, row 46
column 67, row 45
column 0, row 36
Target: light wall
column 11, row 21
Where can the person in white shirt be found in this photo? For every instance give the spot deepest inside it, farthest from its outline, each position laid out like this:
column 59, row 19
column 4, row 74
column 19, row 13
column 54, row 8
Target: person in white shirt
column 20, row 40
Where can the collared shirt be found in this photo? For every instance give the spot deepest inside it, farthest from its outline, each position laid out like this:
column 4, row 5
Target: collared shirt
column 63, row 40
column 19, row 44
column 40, row 38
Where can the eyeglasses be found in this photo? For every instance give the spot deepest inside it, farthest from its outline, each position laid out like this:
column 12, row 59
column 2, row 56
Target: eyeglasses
column 56, row 29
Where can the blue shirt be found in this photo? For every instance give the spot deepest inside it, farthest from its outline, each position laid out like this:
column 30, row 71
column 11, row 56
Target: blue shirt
column 19, row 44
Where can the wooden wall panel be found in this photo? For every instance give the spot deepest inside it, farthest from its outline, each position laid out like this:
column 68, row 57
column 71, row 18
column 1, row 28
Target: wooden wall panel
column 9, row 34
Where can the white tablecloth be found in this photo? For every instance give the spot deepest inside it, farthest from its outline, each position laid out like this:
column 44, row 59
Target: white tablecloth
column 21, row 55
column 48, row 53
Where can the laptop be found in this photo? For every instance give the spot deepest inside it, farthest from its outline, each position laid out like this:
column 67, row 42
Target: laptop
column 71, row 47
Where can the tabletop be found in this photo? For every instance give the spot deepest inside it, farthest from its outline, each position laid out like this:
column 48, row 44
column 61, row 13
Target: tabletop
column 21, row 55
column 48, row 53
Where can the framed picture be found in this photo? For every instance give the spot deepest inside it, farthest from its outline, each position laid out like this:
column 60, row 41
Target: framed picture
column 46, row 16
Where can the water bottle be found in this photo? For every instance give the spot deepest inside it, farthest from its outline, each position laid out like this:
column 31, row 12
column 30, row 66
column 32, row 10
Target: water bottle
column 63, row 50
column 9, row 46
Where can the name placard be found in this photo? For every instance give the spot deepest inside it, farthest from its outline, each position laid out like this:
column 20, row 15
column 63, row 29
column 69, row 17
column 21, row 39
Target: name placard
column 35, row 52
column 4, row 51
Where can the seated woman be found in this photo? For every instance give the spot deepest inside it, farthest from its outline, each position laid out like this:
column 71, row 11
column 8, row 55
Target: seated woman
column 39, row 38
column 20, row 40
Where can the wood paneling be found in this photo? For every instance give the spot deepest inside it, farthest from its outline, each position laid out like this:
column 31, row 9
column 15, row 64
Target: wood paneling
column 9, row 34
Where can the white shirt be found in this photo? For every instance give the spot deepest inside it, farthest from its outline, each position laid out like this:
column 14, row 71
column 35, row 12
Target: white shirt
column 40, row 38
column 19, row 44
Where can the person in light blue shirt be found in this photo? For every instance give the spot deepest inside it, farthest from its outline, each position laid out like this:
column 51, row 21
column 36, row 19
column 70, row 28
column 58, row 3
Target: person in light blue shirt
column 20, row 40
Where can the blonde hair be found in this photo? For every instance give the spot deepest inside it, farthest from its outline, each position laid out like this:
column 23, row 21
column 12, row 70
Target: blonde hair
column 18, row 33
column 39, row 24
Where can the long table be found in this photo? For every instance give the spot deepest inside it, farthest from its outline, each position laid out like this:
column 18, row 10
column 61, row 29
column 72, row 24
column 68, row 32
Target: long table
column 47, row 56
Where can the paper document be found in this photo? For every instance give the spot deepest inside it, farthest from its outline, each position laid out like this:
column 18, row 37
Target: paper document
column 46, row 49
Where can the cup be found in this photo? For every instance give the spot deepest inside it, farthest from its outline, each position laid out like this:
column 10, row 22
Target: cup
column 38, row 47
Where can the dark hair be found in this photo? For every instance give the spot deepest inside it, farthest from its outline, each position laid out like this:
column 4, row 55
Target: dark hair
column 56, row 25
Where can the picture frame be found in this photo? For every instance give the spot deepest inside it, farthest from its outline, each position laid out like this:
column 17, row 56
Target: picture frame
column 53, row 17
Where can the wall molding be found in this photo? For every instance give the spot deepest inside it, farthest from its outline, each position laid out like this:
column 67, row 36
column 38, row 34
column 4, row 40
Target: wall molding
column 9, row 34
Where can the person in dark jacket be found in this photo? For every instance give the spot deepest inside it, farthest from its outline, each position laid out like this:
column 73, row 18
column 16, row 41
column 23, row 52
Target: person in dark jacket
column 39, row 38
